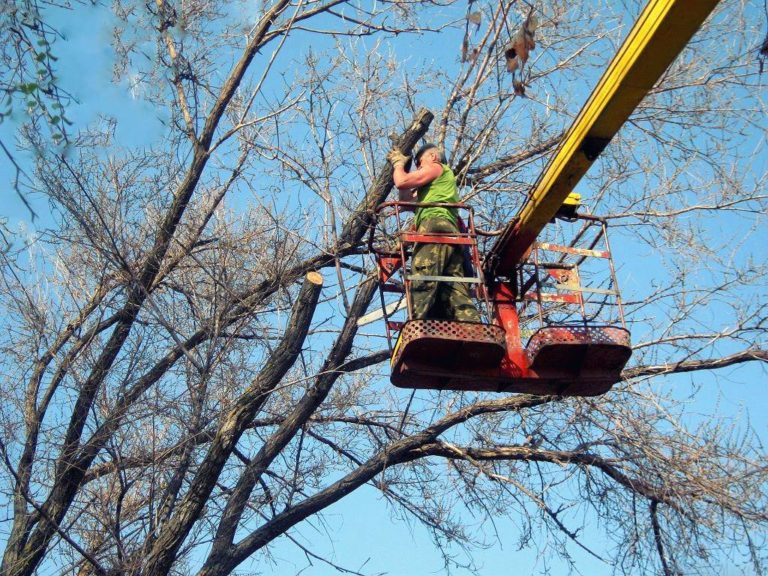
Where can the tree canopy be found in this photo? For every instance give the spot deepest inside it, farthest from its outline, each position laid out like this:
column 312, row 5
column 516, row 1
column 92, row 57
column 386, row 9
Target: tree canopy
column 184, row 380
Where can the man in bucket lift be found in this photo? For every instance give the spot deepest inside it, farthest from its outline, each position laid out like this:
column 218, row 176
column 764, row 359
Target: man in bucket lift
column 434, row 181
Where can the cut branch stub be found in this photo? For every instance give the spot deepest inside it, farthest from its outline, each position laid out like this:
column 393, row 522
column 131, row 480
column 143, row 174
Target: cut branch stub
column 315, row 278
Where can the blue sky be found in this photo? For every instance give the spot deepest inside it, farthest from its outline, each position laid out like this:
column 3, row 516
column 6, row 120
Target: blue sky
column 363, row 532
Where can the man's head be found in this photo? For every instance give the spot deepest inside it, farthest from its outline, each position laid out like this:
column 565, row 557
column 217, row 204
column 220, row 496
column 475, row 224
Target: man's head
column 428, row 153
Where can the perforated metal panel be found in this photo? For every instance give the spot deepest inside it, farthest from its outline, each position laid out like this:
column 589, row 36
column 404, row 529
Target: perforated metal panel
column 452, row 330
column 590, row 355
column 563, row 360
column 612, row 335
column 429, row 352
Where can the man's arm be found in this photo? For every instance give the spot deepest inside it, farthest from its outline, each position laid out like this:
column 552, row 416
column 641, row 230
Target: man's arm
column 409, row 181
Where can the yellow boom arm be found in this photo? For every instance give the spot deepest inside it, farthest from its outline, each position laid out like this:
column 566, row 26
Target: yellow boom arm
column 659, row 35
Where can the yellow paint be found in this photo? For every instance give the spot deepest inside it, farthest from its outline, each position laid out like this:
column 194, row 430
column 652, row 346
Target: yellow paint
column 396, row 349
column 573, row 199
column 659, row 35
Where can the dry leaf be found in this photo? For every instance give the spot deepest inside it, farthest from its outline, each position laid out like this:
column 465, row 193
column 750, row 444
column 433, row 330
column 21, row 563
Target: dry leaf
column 531, row 23
column 511, row 57
column 518, row 51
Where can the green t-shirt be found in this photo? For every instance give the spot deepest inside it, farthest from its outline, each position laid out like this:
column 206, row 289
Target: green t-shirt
column 441, row 189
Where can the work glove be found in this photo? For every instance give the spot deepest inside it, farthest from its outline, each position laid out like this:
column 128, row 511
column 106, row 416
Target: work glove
column 396, row 157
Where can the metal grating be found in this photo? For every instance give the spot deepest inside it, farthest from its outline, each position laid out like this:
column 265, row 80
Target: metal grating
column 447, row 347
column 613, row 335
column 452, row 330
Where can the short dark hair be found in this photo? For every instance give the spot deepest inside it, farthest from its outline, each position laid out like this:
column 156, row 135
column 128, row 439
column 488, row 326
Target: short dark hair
column 427, row 146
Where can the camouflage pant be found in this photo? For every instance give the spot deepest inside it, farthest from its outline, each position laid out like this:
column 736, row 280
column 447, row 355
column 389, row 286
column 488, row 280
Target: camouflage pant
column 440, row 300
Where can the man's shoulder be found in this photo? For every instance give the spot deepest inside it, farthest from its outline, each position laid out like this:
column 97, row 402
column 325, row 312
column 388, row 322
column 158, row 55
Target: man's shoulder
column 439, row 172
column 436, row 169
column 447, row 172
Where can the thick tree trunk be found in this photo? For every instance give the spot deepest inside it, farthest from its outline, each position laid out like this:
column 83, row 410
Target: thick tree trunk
column 172, row 535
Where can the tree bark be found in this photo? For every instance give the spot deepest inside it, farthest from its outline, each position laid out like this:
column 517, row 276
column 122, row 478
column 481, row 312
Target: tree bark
column 172, row 534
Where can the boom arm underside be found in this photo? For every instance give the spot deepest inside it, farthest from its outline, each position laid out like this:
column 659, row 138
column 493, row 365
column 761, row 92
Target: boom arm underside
column 659, row 35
